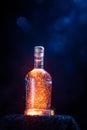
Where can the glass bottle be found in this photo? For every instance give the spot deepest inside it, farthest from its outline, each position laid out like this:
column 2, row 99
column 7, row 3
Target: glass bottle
column 38, row 87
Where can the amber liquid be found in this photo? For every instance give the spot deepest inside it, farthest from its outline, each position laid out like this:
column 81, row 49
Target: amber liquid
column 38, row 89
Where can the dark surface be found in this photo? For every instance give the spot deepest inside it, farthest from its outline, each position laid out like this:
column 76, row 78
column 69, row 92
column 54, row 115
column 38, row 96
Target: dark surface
column 22, row 122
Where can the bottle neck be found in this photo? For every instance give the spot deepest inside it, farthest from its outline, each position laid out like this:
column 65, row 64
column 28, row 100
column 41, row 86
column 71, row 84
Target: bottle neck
column 39, row 63
column 39, row 57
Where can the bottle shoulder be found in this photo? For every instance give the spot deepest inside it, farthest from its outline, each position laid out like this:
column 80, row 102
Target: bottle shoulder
column 39, row 73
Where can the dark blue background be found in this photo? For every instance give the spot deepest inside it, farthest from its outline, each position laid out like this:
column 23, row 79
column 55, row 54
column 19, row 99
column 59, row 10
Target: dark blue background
column 61, row 27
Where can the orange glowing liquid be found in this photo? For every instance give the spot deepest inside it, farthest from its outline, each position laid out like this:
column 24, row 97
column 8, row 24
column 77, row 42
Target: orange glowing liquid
column 38, row 91
column 38, row 87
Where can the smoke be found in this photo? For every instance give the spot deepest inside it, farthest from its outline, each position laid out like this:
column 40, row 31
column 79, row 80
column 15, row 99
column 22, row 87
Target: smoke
column 62, row 21
column 24, row 24
column 39, row 1
column 63, row 24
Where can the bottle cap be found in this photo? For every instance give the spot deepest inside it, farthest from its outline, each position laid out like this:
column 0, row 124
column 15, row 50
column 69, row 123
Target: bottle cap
column 39, row 51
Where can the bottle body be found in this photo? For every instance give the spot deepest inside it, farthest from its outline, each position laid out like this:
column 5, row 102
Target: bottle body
column 38, row 90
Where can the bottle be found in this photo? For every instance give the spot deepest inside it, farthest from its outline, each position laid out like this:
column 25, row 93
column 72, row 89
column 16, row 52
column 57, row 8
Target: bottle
column 38, row 87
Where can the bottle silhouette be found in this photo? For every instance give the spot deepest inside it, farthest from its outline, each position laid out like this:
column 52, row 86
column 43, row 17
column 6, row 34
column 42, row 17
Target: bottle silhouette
column 38, row 87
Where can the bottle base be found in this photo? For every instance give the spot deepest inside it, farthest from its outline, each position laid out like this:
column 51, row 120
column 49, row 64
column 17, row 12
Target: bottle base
column 39, row 112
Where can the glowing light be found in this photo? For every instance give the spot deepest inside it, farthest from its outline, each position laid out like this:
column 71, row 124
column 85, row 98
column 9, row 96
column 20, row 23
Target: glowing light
column 40, row 112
